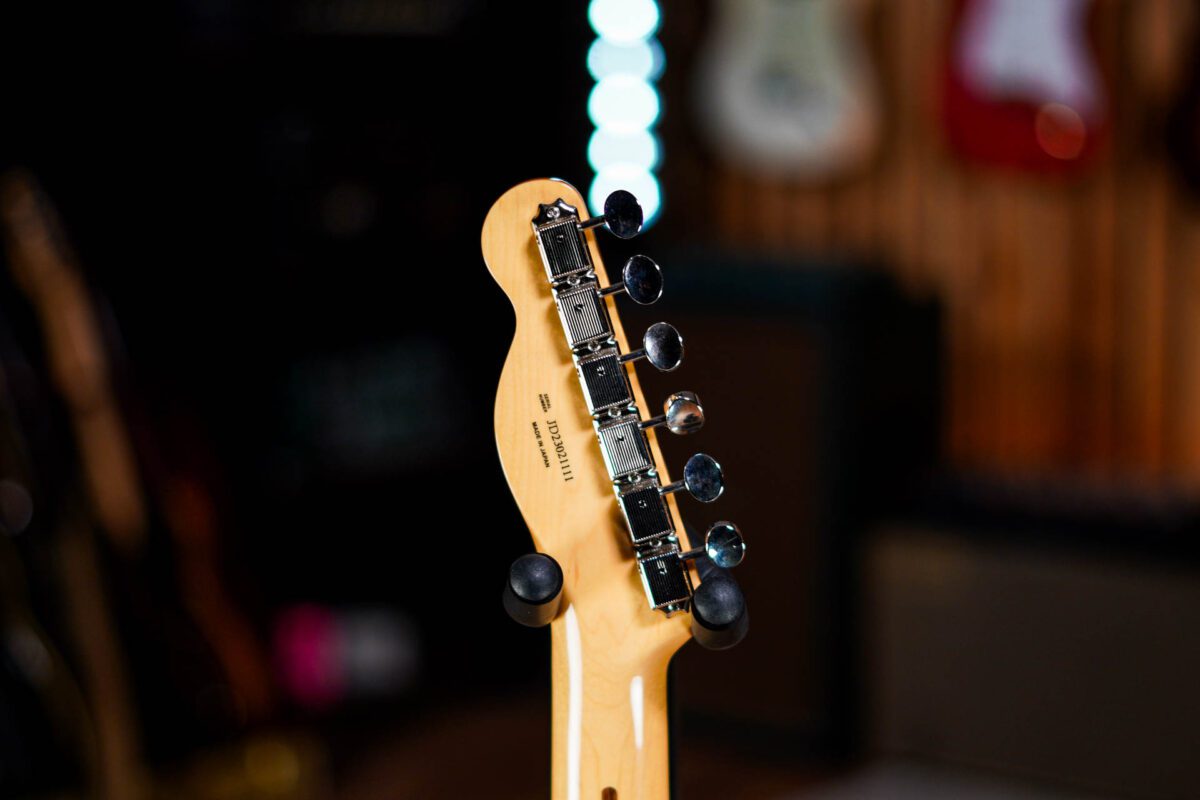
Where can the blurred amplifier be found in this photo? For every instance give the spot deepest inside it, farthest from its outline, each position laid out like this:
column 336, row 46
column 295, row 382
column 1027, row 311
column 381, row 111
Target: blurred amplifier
column 1028, row 654
column 826, row 405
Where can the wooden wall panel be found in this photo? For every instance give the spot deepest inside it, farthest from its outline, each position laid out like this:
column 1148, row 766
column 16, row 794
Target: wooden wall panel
column 1072, row 315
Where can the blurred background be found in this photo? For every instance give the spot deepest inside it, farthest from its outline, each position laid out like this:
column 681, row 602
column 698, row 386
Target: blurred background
column 938, row 265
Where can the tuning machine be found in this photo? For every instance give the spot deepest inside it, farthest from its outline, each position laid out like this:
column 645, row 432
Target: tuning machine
column 702, row 478
column 662, row 346
column 641, row 279
column 682, row 414
column 622, row 216
column 719, row 616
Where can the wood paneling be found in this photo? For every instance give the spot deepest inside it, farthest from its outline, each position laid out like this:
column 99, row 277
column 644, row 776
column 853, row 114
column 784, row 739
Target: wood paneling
column 1071, row 303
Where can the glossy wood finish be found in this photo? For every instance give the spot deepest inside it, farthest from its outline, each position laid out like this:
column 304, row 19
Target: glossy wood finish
column 610, row 650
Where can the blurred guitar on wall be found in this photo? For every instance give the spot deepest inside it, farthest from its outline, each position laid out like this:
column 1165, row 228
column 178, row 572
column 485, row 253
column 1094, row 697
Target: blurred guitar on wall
column 785, row 87
column 47, row 737
column 179, row 635
column 1022, row 86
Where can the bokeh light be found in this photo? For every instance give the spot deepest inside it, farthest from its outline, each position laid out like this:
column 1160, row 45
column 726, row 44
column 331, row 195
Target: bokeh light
column 624, row 104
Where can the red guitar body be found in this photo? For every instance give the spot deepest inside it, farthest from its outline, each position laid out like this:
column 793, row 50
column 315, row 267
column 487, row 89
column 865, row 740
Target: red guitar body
column 1022, row 87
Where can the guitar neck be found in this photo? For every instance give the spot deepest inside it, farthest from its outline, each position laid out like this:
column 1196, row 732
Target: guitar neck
column 609, row 719
column 611, row 575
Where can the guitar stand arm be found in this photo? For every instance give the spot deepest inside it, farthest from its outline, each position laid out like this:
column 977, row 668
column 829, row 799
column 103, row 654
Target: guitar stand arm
column 720, row 619
column 533, row 591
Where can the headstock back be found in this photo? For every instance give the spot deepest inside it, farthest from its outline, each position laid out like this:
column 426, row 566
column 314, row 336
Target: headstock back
column 548, row 445
column 579, row 454
column 612, row 576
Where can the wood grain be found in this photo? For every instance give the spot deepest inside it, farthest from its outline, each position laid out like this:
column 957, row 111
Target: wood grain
column 610, row 650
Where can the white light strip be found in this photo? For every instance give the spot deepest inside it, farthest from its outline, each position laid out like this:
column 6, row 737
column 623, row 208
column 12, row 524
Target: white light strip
column 625, row 61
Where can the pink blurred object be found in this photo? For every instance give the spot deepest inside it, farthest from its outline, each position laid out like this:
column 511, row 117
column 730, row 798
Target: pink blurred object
column 327, row 656
column 306, row 652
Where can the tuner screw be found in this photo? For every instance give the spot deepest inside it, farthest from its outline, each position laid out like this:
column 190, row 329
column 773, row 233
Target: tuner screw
column 723, row 544
column 622, row 215
column 702, row 477
column 641, row 279
column 662, row 346
column 682, row 414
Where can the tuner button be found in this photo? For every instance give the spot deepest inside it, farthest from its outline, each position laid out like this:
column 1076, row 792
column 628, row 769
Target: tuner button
column 622, row 215
column 662, row 346
column 702, row 477
column 533, row 592
column 641, row 279
column 682, row 414
column 720, row 618
column 723, row 544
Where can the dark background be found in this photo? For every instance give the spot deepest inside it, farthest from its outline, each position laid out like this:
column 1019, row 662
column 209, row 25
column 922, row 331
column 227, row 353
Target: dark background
column 957, row 586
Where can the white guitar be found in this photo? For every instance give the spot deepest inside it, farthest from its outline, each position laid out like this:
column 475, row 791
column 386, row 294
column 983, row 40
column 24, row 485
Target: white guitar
column 785, row 87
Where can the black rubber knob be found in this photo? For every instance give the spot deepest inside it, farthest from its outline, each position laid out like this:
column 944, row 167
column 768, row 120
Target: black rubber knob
column 719, row 615
column 533, row 591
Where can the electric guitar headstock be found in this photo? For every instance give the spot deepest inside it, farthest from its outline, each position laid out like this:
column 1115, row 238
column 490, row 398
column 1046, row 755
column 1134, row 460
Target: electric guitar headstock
column 612, row 573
